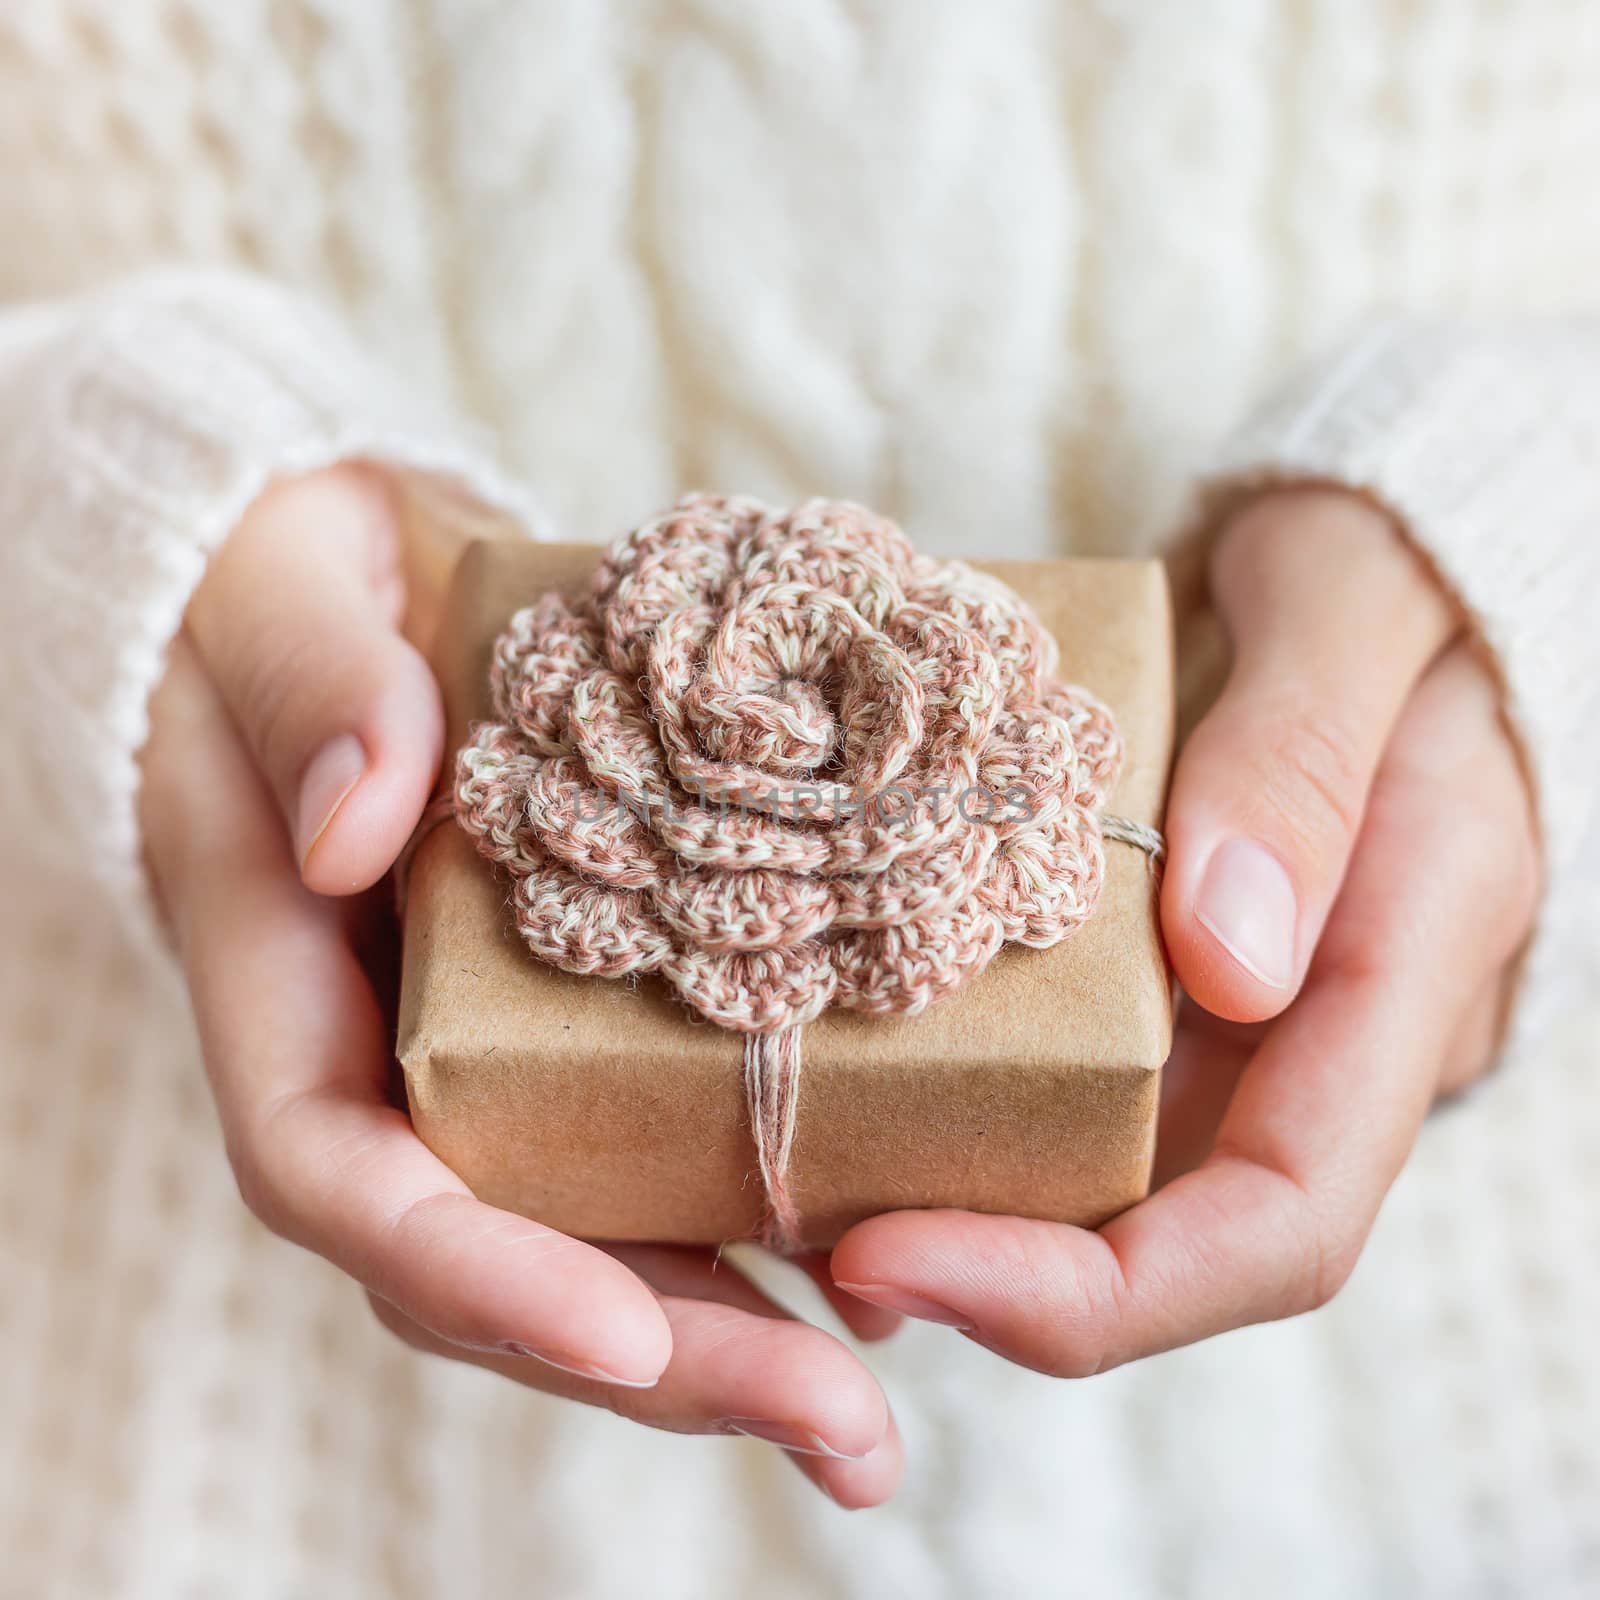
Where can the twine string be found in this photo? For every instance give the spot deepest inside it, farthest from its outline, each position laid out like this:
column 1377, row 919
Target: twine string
column 772, row 1095
column 1139, row 834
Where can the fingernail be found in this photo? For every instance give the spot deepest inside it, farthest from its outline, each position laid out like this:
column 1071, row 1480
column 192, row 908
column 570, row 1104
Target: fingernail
column 907, row 1304
column 330, row 776
column 788, row 1437
column 1247, row 902
column 580, row 1369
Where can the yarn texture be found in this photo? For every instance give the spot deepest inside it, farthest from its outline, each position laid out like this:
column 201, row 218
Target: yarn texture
column 785, row 762
column 1006, row 277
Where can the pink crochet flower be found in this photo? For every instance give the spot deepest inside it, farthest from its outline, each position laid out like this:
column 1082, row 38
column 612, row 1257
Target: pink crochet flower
column 784, row 761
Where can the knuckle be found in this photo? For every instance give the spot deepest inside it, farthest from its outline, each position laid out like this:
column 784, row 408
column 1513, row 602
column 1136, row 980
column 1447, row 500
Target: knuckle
column 1311, row 775
column 1074, row 1359
column 270, row 695
column 1496, row 882
column 262, row 1161
column 1080, row 1303
column 1336, row 1260
column 1303, row 517
column 1523, row 892
column 631, row 1405
column 1250, row 534
column 1502, row 883
column 261, row 1195
column 1498, row 854
column 1330, row 1252
column 1314, row 1235
column 1521, row 875
column 392, row 1323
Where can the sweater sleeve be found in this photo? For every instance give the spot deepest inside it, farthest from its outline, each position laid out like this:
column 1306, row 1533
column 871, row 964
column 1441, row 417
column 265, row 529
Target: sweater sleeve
column 136, row 426
column 1484, row 443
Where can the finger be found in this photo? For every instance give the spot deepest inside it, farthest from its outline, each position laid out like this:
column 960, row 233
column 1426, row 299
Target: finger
column 298, row 623
column 298, row 1057
column 740, row 1365
column 1472, row 1050
column 1333, row 621
column 1323, row 1117
column 867, row 1322
column 1197, row 1083
column 855, row 1485
column 743, row 1364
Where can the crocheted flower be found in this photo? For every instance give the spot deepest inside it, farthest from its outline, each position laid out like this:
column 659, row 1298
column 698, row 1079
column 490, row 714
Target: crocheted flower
column 785, row 761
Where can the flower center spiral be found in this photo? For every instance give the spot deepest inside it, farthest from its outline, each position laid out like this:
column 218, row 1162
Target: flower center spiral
column 786, row 728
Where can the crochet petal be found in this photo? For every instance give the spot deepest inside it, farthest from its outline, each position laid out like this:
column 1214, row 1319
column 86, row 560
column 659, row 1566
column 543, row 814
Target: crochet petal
column 1095, row 739
column 907, row 969
column 707, row 836
column 961, row 681
column 760, row 909
column 682, row 559
column 590, row 829
column 491, row 778
column 931, row 885
column 545, row 649
column 897, row 824
column 1045, row 880
column 587, row 928
column 832, row 546
column 611, row 732
column 758, row 991
column 1024, row 650
column 1031, row 764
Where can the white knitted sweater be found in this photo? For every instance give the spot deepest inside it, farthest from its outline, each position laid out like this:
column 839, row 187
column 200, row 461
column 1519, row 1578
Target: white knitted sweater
column 1009, row 273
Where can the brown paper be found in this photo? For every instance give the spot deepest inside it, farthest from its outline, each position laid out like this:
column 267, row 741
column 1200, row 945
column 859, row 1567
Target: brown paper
column 606, row 1109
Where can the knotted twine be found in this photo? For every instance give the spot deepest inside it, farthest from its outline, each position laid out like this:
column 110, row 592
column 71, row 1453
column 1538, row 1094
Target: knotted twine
column 783, row 761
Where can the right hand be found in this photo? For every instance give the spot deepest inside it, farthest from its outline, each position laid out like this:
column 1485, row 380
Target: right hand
column 294, row 742
column 1353, row 869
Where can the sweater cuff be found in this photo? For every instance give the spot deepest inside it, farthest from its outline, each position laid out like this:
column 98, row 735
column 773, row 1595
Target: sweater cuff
column 1485, row 445
column 131, row 443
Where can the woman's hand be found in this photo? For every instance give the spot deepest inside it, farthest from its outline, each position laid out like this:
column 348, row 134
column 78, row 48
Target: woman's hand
column 1352, row 875
column 293, row 747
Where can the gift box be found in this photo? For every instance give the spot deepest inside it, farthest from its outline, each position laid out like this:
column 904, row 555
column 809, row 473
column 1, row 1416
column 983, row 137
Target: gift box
column 610, row 1109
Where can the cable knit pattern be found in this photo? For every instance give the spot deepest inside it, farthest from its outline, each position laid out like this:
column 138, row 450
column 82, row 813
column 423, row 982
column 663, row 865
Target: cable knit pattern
column 1005, row 272
column 138, row 427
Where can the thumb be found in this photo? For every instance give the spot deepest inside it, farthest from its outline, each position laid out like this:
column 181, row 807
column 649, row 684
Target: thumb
column 1333, row 620
column 297, row 621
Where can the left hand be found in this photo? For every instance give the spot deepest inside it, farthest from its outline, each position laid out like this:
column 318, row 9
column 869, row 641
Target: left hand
column 1353, row 872
column 294, row 740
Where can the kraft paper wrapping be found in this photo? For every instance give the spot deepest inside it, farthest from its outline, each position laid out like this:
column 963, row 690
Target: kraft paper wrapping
column 607, row 1110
